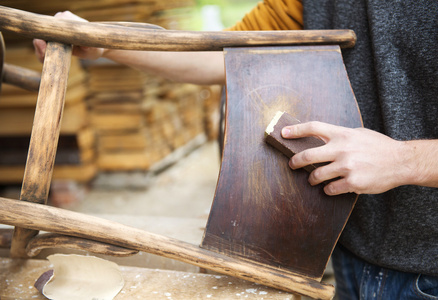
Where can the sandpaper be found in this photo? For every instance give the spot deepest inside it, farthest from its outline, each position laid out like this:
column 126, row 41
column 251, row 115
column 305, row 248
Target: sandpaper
column 290, row 147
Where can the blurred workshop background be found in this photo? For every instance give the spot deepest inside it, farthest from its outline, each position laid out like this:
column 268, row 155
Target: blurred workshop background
column 120, row 127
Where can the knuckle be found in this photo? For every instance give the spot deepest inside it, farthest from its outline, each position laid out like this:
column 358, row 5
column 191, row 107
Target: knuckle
column 314, row 125
column 348, row 165
column 354, row 184
column 317, row 174
column 349, row 182
column 307, row 156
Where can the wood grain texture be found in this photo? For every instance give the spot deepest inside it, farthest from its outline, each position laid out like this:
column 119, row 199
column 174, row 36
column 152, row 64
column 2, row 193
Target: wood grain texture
column 138, row 38
column 42, row 217
column 262, row 210
column 44, row 136
column 53, row 240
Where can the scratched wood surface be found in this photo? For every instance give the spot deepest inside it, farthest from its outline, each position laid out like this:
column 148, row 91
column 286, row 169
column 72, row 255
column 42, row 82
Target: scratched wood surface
column 262, row 210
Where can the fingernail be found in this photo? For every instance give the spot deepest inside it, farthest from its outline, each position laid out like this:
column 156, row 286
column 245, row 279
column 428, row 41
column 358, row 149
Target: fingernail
column 285, row 132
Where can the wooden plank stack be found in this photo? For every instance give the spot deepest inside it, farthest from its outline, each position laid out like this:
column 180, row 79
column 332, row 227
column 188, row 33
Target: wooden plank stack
column 120, row 119
column 169, row 13
column 140, row 119
column 76, row 155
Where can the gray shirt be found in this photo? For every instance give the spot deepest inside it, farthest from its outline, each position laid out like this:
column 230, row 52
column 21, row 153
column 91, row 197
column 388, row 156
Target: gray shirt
column 393, row 70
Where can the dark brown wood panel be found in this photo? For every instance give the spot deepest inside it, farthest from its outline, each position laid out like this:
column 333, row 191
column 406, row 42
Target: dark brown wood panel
column 262, row 210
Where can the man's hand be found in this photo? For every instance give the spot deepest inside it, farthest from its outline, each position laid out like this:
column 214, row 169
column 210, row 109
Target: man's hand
column 365, row 161
column 81, row 52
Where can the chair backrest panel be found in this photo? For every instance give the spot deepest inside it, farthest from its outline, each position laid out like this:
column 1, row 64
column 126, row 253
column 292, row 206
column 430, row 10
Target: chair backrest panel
column 263, row 210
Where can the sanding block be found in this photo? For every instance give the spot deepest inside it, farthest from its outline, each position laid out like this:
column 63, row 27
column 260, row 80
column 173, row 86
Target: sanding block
column 290, row 147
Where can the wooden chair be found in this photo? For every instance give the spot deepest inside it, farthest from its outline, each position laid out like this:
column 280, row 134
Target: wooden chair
column 267, row 224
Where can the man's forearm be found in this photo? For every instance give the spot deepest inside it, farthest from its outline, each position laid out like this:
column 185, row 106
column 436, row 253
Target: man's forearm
column 191, row 67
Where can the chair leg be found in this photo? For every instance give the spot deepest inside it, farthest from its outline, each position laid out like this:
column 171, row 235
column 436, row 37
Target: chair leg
column 44, row 137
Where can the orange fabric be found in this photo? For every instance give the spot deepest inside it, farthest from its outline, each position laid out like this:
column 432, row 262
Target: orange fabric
column 273, row 15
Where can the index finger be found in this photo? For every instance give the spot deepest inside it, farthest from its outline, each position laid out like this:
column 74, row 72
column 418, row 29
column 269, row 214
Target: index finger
column 313, row 128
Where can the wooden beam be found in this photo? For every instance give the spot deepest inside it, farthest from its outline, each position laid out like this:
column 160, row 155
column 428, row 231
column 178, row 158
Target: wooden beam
column 137, row 37
column 42, row 217
column 44, row 137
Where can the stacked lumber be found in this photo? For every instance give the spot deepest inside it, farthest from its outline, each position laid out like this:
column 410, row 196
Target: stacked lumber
column 168, row 14
column 114, row 10
column 139, row 118
column 136, row 119
column 76, row 155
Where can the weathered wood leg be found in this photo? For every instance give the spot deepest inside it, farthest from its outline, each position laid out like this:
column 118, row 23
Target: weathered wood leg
column 44, row 138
